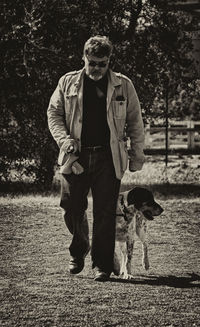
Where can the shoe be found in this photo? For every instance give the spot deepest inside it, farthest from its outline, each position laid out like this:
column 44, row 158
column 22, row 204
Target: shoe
column 100, row 275
column 76, row 265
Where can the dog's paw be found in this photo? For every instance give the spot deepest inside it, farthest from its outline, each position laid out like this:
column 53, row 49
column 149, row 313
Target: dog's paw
column 127, row 276
column 116, row 272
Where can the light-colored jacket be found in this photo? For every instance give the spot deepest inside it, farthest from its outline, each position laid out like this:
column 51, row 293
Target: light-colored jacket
column 124, row 118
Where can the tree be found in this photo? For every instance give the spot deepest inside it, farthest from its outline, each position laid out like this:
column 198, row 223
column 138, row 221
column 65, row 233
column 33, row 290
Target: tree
column 29, row 69
column 44, row 39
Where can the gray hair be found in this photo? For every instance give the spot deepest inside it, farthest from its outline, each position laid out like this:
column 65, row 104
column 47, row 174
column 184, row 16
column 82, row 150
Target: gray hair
column 98, row 46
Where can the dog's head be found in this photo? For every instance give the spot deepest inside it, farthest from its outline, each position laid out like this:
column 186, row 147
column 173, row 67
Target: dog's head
column 143, row 201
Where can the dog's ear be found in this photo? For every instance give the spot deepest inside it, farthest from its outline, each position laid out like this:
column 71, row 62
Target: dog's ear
column 121, row 202
column 134, row 197
column 138, row 195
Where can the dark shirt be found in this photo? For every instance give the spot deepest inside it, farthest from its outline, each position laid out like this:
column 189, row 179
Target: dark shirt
column 95, row 130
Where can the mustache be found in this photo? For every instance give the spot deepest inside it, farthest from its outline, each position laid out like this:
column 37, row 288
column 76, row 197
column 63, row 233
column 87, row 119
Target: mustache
column 96, row 76
column 96, row 72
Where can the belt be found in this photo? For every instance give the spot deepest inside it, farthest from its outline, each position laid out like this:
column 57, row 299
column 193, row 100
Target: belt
column 96, row 148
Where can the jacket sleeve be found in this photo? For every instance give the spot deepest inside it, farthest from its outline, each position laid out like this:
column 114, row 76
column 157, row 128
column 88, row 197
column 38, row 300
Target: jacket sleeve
column 56, row 115
column 135, row 129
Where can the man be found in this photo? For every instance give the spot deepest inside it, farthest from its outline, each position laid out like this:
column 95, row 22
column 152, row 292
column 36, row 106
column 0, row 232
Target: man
column 90, row 114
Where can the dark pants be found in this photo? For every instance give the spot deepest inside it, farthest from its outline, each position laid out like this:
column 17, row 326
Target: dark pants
column 99, row 176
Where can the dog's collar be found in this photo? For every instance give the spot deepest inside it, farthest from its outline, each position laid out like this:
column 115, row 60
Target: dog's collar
column 125, row 197
column 123, row 204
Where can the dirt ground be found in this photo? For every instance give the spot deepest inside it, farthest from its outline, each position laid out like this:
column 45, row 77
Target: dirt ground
column 37, row 290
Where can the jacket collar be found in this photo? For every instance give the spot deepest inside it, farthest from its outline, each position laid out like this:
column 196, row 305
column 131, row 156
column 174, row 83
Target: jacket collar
column 79, row 78
column 113, row 82
column 114, row 78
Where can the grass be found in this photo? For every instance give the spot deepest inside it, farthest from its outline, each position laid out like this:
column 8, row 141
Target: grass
column 180, row 178
column 37, row 290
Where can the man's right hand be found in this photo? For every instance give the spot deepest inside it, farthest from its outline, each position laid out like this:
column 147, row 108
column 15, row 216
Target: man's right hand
column 69, row 146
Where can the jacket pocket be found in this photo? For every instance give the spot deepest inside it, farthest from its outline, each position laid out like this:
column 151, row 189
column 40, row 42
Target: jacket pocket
column 119, row 116
column 70, row 103
column 119, row 109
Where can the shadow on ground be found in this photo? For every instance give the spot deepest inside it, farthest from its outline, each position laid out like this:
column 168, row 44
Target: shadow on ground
column 193, row 280
column 164, row 189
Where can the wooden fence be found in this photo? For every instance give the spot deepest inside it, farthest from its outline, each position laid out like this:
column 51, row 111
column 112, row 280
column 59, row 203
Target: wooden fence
column 181, row 135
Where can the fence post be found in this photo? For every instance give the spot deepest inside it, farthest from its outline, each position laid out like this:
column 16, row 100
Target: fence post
column 147, row 135
column 166, row 123
column 190, row 125
column 169, row 135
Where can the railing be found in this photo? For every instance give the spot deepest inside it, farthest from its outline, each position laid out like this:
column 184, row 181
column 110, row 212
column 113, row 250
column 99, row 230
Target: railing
column 181, row 135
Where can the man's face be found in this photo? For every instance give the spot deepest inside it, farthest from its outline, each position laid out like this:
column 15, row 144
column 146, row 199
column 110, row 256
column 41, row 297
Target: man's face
column 96, row 67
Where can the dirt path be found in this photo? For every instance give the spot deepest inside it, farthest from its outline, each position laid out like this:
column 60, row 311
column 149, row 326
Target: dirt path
column 38, row 291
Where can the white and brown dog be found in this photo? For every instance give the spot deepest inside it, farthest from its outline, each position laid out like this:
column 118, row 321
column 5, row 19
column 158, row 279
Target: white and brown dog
column 134, row 208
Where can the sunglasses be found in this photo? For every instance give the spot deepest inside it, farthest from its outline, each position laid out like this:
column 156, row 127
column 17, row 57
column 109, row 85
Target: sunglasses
column 100, row 64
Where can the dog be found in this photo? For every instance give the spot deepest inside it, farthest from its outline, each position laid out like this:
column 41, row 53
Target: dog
column 134, row 208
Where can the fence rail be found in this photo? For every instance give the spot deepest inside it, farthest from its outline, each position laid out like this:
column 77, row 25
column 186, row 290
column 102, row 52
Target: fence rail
column 181, row 135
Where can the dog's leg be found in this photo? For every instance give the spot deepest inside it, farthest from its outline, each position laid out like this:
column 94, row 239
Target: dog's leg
column 145, row 256
column 130, row 247
column 123, row 268
column 120, row 259
column 131, row 234
column 141, row 232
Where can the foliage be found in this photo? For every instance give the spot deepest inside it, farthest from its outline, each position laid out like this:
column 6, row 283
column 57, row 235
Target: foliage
column 44, row 39
column 29, row 70
column 186, row 102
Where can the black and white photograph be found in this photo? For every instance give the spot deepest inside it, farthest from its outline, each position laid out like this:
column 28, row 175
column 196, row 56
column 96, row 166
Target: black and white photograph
column 100, row 163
